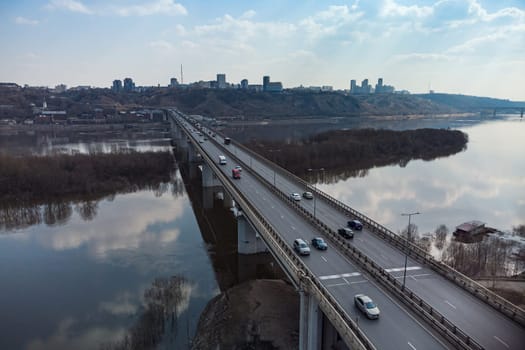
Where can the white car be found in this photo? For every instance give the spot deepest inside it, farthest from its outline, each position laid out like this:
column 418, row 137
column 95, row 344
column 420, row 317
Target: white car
column 366, row 305
column 295, row 196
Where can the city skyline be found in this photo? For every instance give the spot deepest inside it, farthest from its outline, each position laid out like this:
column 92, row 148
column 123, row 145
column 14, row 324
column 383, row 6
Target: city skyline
column 471, row 47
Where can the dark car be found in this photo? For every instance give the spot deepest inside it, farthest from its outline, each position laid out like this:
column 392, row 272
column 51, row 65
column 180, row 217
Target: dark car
column 319, row 243
column 346, row 232
column 355, row 224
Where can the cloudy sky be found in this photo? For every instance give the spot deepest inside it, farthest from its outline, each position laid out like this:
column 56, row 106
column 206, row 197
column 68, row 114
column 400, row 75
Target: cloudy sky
column 474, row 47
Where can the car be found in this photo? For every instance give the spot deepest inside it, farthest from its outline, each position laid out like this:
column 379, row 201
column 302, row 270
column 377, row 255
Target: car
column 346, row 232
column 355, row 224
column 366, row 305
column 308, row 195
column 300, row 246
column 201, row 141
column 319, row 243
column 295, row 196
column 238, row 167
column 205, row 139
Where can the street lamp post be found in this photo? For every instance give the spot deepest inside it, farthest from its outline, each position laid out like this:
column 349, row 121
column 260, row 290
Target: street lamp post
column 315, row 187
column 407, row 241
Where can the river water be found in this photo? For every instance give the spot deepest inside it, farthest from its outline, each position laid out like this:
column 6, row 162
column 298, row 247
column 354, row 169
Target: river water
column 86, row 274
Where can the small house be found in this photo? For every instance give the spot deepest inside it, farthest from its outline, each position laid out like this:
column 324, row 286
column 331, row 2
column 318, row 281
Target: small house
column 470, row 228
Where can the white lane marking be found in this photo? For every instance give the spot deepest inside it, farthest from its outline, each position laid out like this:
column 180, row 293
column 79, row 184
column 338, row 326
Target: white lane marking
column 413, row 276
column 356, row 282
column 409, row 268
column 501, row 341
column 336, row 285
column 330, row 277
column 293, row 228
column 344, row 279
column 412, row 346
column 282, row 217
column 324, row 259
column 447, row 302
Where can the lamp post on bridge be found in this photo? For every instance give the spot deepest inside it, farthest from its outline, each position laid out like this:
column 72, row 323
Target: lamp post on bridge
column 315, row 187
column 407, row 242
column 271, row 151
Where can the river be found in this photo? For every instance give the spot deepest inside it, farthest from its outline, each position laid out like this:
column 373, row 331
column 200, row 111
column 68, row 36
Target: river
column 85, row 274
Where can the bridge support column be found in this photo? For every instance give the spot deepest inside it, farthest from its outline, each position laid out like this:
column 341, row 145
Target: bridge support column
column 227, row 200
column 193, row 155
column 310, row 322
column 248, row 239
column 209, row 193
column 209, row 179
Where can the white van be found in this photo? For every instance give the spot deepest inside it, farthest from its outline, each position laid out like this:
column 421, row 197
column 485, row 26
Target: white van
column 222, row 160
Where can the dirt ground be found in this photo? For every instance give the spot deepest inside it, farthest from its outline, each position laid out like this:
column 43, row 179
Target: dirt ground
column 259, row 314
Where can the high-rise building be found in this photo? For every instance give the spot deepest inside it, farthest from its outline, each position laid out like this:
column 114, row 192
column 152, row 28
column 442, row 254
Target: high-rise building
column 266, row 82
column 244, row 84
column 129, row 85
column 174, row 82
column 365, row 87
column 353, row 86
column 117, row 85
column 221, row 81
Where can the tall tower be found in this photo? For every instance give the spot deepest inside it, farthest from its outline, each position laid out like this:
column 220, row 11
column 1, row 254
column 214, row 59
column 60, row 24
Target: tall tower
column 181, row 76
column 266, row 82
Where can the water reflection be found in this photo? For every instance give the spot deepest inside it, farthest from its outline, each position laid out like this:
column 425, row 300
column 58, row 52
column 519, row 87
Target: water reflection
column 83, row 282
column 483, row 183
column 18, row 215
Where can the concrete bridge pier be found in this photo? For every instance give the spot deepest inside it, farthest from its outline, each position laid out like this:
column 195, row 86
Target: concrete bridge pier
column 310, row 322
column 248, row 239
column 193, row 155
column 211, row 186
column 227, row 200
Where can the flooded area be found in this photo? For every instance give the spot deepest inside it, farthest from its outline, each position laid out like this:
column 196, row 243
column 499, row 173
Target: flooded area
column 87, row 273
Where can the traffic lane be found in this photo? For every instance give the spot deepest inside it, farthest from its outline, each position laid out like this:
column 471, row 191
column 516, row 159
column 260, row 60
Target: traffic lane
column 421, row 338
column 393, row 320
column 468, row 313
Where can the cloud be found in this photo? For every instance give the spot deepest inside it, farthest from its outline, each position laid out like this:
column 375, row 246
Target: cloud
column 163, row 7
column 24, row 20
column 69, row 5
column 161, row 44
column 392, row 9
column 417, row 56
column 66, row 337
column 248, row 14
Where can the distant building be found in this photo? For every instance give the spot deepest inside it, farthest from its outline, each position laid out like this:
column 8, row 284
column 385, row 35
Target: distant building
column 383, row 89
column 221, row 81
column 117, row 85
column 129, row 85
column 244, row 84
column 271, row 86
column 469, row 229
column 274, row 87
column 327, row 88
column 60, row 88
column 353, row 86
column 174, row 82
column 266, row 81
column 255, row 87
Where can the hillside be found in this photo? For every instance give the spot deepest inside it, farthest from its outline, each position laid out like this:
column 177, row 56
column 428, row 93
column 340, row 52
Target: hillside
column 16, row 103
column 470, row 103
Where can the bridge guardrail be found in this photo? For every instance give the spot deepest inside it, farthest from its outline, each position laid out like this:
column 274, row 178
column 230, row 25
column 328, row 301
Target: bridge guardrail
column 445, row 327
column 346, row 327
column 497, row 302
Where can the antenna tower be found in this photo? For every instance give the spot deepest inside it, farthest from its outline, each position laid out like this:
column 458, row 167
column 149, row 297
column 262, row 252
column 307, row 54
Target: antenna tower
column 181, row 75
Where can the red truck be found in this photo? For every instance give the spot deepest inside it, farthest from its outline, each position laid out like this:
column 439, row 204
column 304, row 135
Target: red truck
column 236, row 173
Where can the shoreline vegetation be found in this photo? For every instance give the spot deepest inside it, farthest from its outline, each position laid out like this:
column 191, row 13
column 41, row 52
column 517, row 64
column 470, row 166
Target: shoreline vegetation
column 41, row 179
column 355, row 151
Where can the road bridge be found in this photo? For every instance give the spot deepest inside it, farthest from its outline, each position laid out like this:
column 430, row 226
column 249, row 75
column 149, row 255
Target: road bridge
column 437, row 308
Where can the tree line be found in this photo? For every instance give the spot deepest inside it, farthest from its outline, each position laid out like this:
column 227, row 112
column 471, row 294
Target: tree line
column 350, row 151
column 34, row 178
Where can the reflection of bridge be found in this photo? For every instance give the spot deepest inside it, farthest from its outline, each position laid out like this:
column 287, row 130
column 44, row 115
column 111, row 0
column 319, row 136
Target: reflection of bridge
column 437, row 308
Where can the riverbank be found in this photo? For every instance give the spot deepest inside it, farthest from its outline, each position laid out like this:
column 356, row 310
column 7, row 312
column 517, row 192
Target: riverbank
column 258, row 314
